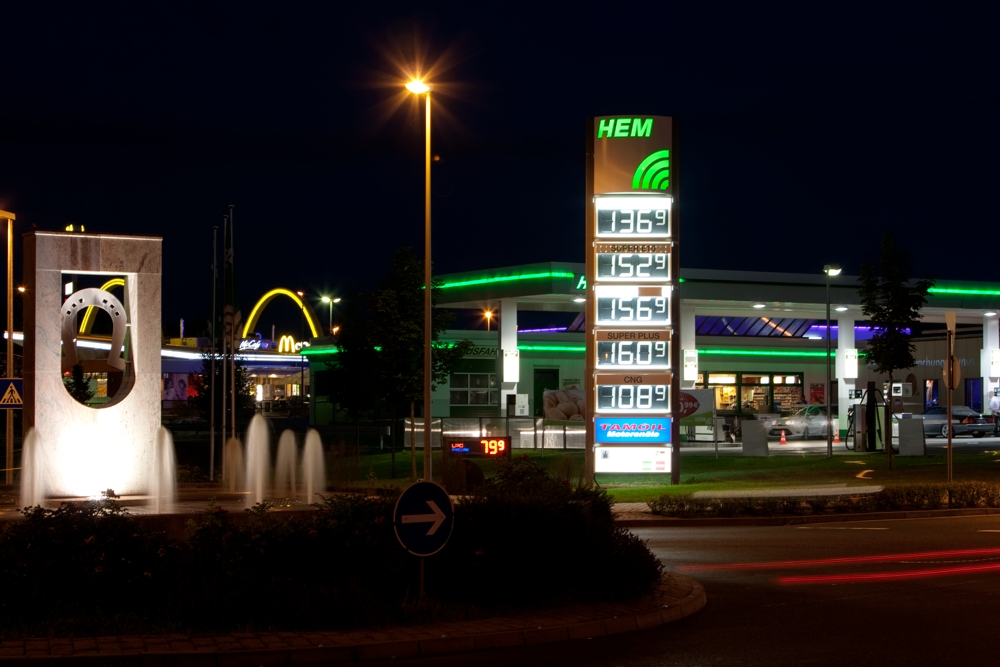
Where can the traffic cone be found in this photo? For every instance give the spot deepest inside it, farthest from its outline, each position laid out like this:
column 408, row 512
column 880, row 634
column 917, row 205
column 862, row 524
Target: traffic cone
column 783, row 441
column 836, row 437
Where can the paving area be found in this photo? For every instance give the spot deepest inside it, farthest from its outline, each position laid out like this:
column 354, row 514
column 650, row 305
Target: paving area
column 675, row 597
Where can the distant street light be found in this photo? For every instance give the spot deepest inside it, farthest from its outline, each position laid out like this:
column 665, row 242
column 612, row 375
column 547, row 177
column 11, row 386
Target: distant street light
column 418, row 87
column 489, row 316
column 830, row 270
column 328, row 300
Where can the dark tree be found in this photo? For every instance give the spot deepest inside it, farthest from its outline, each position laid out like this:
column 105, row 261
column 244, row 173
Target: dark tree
column 78, row 386
column 244, row 389
column 891, row 303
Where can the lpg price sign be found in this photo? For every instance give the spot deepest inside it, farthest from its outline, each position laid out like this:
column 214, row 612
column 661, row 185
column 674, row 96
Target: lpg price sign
column 492, row 446
column 632, row 307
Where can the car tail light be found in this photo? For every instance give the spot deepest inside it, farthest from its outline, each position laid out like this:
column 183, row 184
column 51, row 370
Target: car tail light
column 988, row 419
column 968, row 420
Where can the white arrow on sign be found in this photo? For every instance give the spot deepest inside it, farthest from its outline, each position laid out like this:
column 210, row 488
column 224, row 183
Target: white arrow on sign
column 437, row 518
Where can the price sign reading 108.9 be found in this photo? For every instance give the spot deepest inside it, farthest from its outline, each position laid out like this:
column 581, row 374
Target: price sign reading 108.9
column 633, row 397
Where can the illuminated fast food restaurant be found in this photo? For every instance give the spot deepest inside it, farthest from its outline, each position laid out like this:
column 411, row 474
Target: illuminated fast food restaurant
column 760, row 340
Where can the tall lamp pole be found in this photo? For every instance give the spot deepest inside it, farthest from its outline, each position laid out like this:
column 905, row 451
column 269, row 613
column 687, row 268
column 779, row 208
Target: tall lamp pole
column 418, row 87
column 829, row 270
column 328, row 300
column 10, row 339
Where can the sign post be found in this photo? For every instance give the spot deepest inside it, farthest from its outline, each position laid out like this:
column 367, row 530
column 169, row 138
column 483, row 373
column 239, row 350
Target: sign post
column 423, row 520
column 632, row 307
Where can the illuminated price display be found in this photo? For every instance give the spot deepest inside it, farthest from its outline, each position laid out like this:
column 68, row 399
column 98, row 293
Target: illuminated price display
column 632, row 266
column 633, row 217
column 633, row 398
column 628, row 354
column 633, row 310
column 489, row 446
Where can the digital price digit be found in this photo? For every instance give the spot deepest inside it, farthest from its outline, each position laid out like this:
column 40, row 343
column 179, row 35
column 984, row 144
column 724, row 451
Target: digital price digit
column 633, row 310
column 633, row 222
column 652, row 354
column 493, row 446
column 623, row 266
column 490, row 447
column 633, row 397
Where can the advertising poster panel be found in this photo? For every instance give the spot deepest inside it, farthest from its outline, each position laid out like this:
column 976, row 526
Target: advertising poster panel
column 564, row 406
column 177, row 387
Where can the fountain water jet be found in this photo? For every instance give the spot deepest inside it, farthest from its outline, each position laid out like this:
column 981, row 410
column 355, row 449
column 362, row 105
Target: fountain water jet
column 163, row 477
column 258, row 459
column 32, row 470
column 232, row 465
column 284, row 470
column 313, row 466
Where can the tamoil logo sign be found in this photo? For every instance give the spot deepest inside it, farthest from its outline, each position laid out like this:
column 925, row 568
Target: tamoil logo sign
column 651, row 430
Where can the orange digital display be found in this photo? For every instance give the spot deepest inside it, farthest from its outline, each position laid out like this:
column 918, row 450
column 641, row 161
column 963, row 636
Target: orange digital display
column 488, row 446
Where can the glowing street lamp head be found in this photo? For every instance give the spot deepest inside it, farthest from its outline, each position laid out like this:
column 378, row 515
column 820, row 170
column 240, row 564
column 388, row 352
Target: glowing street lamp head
column 325, row 299
column 832, row 269
column 418, row 87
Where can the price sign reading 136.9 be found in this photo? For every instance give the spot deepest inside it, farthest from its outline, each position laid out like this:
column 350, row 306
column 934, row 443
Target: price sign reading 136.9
column 629, row 218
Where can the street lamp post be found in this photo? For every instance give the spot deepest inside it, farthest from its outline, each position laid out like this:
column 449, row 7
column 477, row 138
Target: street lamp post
column 328, row 300
column 10, row 339
column 302, row 357
column 418, row 87
column 829, row 270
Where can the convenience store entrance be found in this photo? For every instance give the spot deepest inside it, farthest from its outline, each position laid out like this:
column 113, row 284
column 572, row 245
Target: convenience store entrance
column 754, row 392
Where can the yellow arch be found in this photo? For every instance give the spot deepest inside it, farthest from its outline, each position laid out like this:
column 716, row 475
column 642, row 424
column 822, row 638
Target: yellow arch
column 87, row 323
column 267, row 298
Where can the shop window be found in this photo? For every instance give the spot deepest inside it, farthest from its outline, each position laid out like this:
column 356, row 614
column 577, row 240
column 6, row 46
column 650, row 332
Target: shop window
column 721, row 378
column 473, row 389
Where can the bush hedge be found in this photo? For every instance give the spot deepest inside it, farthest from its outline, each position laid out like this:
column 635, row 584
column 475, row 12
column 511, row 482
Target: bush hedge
column 526, row 540
column 924, row 496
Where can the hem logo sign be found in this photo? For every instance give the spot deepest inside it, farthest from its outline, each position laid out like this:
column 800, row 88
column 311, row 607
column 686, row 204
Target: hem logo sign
column 653, row 173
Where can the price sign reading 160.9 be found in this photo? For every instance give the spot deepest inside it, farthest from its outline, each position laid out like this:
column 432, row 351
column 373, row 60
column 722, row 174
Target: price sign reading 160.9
column 647, row 354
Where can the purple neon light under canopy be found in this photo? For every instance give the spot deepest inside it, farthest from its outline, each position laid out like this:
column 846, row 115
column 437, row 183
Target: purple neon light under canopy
column 548, row 330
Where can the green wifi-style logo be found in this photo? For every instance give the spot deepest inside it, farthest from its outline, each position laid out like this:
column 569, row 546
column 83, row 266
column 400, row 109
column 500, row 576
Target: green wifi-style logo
column 653, row 173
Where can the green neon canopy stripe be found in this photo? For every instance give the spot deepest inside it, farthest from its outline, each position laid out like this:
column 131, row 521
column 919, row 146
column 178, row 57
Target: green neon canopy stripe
column 580, row 349
column 969, row 291
column 508, row 279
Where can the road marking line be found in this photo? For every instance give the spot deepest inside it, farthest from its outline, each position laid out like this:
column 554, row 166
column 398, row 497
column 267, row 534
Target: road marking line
column 861, row 475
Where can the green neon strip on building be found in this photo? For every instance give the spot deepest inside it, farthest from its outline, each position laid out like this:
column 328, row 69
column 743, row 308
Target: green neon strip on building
column 964, row 290
column 508, row 279
column 552, row 348
column 768, row 353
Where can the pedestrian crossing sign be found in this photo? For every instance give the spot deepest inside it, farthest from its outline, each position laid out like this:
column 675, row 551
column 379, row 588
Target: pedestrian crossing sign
column 11, row 394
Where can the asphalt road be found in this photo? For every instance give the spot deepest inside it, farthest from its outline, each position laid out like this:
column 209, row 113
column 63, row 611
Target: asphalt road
column 965, row 444
column 910, row 614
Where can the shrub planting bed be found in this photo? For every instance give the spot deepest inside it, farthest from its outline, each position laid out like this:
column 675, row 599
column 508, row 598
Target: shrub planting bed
column 525, row 540
column 923, row 496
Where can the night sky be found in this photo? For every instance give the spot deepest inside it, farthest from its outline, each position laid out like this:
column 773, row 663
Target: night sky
column 807, row 130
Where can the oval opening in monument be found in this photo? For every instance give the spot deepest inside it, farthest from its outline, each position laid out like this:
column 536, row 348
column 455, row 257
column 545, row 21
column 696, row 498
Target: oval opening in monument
column 94, row 321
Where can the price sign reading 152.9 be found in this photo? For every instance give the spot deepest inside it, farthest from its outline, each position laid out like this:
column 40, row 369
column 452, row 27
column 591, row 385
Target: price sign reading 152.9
column 633, row 266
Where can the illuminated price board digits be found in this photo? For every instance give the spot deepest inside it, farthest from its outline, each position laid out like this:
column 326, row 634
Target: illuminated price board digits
column 633, row 222
column 633, row 398
column 488, row 447
column 623, row 266
column 633, row 353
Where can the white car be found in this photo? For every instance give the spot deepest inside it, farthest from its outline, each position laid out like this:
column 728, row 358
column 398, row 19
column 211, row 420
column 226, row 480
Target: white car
column 808, row 422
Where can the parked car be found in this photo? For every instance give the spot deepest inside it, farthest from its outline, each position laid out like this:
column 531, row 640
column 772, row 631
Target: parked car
column 805, row 423
column 965, row 421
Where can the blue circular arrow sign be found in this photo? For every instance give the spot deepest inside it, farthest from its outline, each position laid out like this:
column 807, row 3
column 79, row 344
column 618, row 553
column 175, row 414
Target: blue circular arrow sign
column 423, row 518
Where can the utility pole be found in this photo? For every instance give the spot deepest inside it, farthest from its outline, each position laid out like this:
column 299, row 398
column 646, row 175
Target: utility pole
column 10, row 339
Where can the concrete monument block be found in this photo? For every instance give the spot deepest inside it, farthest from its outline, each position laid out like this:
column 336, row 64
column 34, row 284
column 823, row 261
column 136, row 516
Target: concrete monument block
column 754, row 438
column 87, row 450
